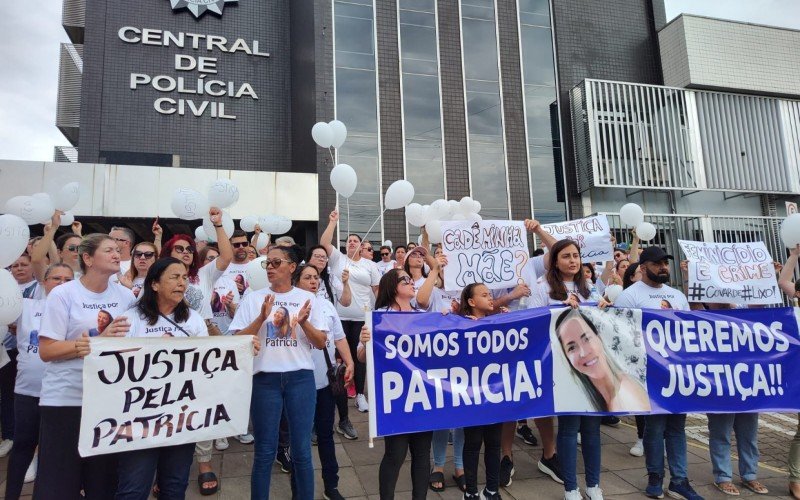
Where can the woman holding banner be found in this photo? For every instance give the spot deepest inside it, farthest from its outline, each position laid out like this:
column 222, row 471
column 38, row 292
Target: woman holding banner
column 70, row 312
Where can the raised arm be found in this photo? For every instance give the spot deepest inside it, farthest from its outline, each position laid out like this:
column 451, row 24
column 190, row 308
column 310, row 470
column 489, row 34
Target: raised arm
column 326, row 240
column 42, row 247
column 158, row 234
column 425, row 291
column 224, row 243
column 786, row 279
column 633, row 255
column 346, row 297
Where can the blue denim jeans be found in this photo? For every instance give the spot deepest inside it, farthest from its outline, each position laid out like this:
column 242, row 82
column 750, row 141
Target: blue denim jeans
column 567, row 449
column 170, row 464
column 670, row 430
column 439, row 446
column 745, row 425
column 272, row 392
column 323, row 423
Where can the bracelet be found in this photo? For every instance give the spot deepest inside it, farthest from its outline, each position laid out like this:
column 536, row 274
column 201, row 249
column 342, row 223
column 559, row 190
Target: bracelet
column 215, row 225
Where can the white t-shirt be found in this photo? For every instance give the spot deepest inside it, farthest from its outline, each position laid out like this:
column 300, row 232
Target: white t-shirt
column 540, row 297
column 335, row 332
column 641, row 296
column 384, row 267
column 70, row 311
column 32, row 290
column 198, row 294
column 363, row 276
column 530, row 274
column 441, row 300
column 222, row 287
column 283, row 348
column 30, row 367
column 195, row 326
column 336, row 284
column 238, row 273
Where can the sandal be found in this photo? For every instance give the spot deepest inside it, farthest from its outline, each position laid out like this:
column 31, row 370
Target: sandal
column 728, row 488
column 436, row 477
column 207, row 477
column 755, row 487
column 155, row 490
column 461, row 482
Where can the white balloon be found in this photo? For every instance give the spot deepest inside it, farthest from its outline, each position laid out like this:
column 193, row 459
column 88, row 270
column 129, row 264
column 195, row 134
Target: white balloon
column 613, row 291
column 387, row 243
column 473, row 217
column 452, row 207
column 344, row 180
column 631, row 214
column 200, row 234
column 476, row 206
column 465, row 205
column 14, row 236
column 227, row 226
column 223, row 193
column 262, row 241
column 67, row 219
column 399, row 194
column 790, row 231
column 434, row 230
column 646, row 231
column 439, row 210
column 188, row 204
column 44, row 207
column 33, row 210
column 427, row 214
column 415, row 214
column 10, row 298
column 339, row 133
column 248, row 223
column 256, row 274
column 459, row 216
column 67, row 197
column 14, row 205
column 322, row 134
column 282, row 224
column 419, row 240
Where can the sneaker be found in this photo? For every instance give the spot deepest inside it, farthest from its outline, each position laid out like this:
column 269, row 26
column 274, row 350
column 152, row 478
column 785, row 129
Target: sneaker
column 594, row 493
column 487, row 495
column 361, row 403
column 221, row 444
column 332, row 494
column 526, row 434
column 655, row 486
column 5, row 447
column 506, row 471
column 30, row 474
column 245, row 438
column 573, row 495
column 472, row 496
column 283, row 458
column 351, row 391
column 345, row 428
column 637, row 450
column 552, row 468
column 682, row 490
column 610, row 420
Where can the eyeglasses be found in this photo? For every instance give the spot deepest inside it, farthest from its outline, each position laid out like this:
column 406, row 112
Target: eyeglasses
column 368, row 250
column 385, row 254
column 273, row 262
column 72, row 248
column 144, row 255
column 241, row 244
column 183, row 249
column 406, row 280
column 121, row 240
column 320, row 257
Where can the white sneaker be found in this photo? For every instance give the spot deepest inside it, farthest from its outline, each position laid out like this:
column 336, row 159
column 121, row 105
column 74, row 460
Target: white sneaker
column 30, row 474
column 361, row 403
column 594, row 493
column 5, row 447
column 637, row 450
column 245, row 438
column 221, row 444
column 573, row 495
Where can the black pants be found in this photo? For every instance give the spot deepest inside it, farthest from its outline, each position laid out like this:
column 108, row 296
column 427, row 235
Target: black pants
column 489, row 436
column 8, row 378
column 323, row 421
column 26, row 438
column 138, row 468
column 62, row 472
column 640, row 426
column 352, row 329
column 394, row 454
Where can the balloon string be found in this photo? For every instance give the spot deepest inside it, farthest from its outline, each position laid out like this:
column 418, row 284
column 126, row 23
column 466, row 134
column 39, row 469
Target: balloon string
column 333, row 160
column 368, row 230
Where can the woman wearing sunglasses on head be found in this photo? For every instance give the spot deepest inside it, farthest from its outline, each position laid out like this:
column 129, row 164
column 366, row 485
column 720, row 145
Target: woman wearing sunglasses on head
column 142, row 257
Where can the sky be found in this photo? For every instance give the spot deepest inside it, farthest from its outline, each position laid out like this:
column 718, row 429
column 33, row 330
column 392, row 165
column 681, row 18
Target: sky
column 30, row 34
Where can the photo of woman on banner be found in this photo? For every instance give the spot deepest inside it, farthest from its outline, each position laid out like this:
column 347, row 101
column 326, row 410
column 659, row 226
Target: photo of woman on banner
column 593, row 369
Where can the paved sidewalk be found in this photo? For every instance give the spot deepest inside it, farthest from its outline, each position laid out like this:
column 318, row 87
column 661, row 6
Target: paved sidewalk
column 623, row 476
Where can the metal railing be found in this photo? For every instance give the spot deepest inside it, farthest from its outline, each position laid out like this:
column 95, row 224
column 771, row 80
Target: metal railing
column 65, row 154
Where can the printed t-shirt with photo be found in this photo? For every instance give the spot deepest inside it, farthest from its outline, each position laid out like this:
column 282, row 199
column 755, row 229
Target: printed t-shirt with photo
column 642, row 296
column 198, row 293
column 283, row 348
column 384, row 267
column 335, row 332
column 195, row 326
column 71, row 310
column 222, row 287
column 363, row 276
column 238, row 273
column 30, row 367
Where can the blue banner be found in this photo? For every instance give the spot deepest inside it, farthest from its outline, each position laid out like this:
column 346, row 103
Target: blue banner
column 431, row 371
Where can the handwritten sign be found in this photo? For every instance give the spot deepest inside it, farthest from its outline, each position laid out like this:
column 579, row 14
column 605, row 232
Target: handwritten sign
column 731, row 273
column 592, row 234
column 150, row 392
column 492, row 252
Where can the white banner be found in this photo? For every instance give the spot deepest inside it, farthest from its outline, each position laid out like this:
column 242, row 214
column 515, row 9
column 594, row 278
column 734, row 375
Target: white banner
column 149, row 392
column 592, row 234
column 492, row 252
column 730, row 273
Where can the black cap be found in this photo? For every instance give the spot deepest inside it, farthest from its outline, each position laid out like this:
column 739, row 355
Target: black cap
column 654, row 254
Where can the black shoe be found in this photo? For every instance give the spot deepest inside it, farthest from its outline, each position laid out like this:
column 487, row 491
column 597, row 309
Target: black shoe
column 506, row 471
column 490, row 496
column 333, row 495
column 552, row 468
column 655, row 486
column 283, row 458
column 610, row 420
column 526, row 434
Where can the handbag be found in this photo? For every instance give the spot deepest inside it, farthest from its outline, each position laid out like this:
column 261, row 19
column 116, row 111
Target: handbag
column 335, row 374
column 176, row 325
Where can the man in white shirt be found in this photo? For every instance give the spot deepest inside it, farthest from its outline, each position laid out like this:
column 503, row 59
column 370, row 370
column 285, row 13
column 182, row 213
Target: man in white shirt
column 652, row 292
column 386, row 263
column 237, row 268
column 125, row 240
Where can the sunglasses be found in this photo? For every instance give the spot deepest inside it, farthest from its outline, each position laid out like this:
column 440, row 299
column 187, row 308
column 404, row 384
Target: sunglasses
column 406, row 280
column 369, row 250
column 273, row 262
column 144, row 255
column 183, row 249
column 385, row 254
column 72, row 248
column 241, row 244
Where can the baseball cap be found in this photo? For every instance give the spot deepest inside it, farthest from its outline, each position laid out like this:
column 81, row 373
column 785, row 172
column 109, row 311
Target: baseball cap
column 654, row 254
column 623, row 247
column 418, row 249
